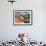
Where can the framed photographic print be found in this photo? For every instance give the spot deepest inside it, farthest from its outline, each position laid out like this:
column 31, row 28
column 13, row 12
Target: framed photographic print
column 22, row 17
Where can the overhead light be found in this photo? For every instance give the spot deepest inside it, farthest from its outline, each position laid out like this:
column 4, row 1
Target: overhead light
column 12, row 1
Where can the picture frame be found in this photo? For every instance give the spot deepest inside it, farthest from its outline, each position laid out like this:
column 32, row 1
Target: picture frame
column 22, row 17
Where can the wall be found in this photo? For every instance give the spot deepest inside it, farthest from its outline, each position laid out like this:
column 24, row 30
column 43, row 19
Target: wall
column 37, row 31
